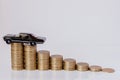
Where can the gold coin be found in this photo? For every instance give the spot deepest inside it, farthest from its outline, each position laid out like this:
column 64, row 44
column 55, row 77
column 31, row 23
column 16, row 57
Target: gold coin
column 30, row 57
column 16, row 52
column 69, row 69
column 56, row 68
column 95, row 68
column 43, row 54
column 30, row 67
column 69, row 64
column 43, row 67
column 56, row 62
column 16, row 45
column 17, row 62
column 43, row 64
column 17, row 56
column 69, row 60
column 82, row 66
column 108, row 70
column 17, row 67
column 29, row 48
column 43, row 61
column 56, row 57
column 56, row 65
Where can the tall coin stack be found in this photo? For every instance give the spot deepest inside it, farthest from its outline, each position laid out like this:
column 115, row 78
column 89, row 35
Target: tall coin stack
column 43, row 59
column 17, row 56
column 30, row 57
column 69, row 64
column 56, row 62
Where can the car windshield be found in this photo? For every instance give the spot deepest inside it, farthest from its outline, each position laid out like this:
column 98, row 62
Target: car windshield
column 34, row 35
column 22, row 35
column 38, row 37
column 17, row 35
column 10, row 35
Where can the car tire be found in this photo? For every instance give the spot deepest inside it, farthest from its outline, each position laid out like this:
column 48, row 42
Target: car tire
column 32, row 43
column 8, row 41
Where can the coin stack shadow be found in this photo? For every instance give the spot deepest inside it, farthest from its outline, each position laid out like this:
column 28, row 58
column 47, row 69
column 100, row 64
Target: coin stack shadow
column 17, row 56
column 30, row 57
column 56, row 62
column 43, row 59
column 69, row 64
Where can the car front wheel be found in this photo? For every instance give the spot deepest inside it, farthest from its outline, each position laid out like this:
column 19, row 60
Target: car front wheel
column 32, row 43
column 8, row 41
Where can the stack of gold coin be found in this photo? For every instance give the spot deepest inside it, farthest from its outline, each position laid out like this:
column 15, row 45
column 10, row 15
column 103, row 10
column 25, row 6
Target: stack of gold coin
column 108, row 70
column 17, row 56
column 69, row 64
column 82, row 66
column 95, row 68
column 30, row 57
column 56, row 62
column 43, row 59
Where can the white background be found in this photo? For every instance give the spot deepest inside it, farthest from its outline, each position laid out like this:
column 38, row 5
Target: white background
column 86, row 30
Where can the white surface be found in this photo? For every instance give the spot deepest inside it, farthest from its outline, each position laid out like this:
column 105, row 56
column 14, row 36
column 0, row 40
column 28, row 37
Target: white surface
column 86, row 30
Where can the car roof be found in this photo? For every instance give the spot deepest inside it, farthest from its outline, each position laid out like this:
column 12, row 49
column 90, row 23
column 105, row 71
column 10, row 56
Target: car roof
column 25, row 33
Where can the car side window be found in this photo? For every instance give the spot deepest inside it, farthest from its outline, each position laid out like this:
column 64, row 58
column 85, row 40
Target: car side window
column 26, row 37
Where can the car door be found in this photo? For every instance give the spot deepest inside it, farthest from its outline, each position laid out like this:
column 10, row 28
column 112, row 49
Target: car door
column 25, row 38
column 16, row 38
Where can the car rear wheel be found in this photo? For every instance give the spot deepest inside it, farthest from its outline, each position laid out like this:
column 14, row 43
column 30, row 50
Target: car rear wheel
column 8, row 41
column 32, row 43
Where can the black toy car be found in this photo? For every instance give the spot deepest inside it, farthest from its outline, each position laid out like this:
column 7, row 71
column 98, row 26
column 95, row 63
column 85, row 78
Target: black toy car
column 24, row 38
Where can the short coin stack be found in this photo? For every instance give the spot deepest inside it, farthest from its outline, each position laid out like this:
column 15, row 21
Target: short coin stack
column 43, row 59
column 17, row 56
column 56, row 62
column 30, row 57
column 69, row 64
column 82, row 66
column 108, row 70
column 95, row 68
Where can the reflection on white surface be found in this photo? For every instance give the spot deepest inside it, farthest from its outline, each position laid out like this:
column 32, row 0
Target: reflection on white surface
column 95, row 75
column 31, row 75
column 43, row 75
column 61, row 75
column 17, row 75
column 83, row 75
column 70, row 75
column 57, row 75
